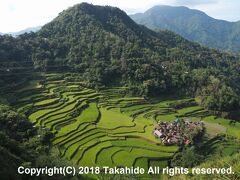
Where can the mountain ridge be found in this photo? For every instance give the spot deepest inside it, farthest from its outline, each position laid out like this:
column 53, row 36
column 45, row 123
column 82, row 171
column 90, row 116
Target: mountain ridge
column 27, row 30
column 192, row 24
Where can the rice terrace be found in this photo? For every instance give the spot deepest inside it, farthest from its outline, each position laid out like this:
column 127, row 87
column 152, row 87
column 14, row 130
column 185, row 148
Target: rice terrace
column 107, row 128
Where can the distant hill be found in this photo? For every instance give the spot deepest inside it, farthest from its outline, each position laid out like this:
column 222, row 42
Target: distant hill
column 194, row 25
column 28, row 30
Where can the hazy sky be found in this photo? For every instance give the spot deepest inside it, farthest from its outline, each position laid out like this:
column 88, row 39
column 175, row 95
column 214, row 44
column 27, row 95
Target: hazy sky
column 16, row 15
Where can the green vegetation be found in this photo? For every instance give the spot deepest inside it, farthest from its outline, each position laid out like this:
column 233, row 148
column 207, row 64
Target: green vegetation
column 217, row 162
column 111, row 119
column 47, row 101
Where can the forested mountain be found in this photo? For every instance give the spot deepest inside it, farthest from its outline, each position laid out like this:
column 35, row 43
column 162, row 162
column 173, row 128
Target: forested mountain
column 105, row 47
column 193, row 25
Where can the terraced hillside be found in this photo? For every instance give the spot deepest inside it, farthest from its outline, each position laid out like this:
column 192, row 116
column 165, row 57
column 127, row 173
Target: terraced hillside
column 106, row 128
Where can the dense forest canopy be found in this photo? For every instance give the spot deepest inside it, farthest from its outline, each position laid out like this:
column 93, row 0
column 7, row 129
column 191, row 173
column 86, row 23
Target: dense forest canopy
column 106, row 47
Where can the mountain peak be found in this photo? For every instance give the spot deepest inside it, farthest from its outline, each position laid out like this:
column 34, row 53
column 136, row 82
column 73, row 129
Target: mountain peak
column 94, row 9
column 167, row 7
column 89, row 16
column 175, row 11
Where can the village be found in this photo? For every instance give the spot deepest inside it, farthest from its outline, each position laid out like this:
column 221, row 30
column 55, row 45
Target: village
column 178, row 132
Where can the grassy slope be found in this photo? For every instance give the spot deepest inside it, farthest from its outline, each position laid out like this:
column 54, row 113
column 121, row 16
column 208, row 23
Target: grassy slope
column 218, row 162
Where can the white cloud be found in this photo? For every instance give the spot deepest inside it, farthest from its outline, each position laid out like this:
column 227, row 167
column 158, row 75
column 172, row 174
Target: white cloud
column 16, row 15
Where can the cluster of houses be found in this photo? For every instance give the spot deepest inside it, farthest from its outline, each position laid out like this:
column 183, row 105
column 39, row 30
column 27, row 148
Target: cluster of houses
column 178, row 132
